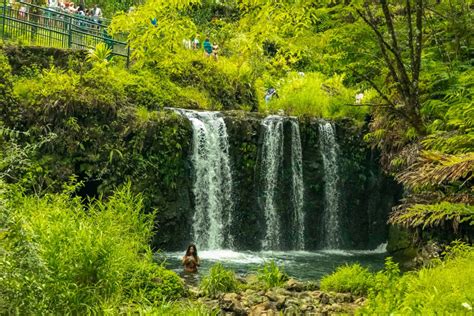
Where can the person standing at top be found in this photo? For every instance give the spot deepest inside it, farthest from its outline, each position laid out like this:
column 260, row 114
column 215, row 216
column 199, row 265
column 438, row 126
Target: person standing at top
column 270, row 94
column 96, row 13
column 215, row 51
column 196, row 43
column 207, row 47
column 191, row 260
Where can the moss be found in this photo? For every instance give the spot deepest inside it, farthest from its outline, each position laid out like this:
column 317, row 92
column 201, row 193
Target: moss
column 23, row 58
column 400, row 243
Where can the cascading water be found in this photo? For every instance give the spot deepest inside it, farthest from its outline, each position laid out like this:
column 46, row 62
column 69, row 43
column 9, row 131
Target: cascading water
column 272, row 158
column 271, row 166
column 297, row 187
column 212, row 185
column 331, row 238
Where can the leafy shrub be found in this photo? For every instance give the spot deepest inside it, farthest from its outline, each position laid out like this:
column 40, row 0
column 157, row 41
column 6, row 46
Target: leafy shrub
column 446, row 288
column 270, row 275
column 350, row 278
column 58, row 256
column 175, row 308
column 315, row 95
column 219, row 280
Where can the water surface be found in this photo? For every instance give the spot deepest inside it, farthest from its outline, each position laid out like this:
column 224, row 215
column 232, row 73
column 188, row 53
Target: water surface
column 303, row 265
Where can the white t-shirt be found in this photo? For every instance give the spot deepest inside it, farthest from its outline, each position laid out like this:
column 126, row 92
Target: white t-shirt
column 53, row 3
column 97, row 12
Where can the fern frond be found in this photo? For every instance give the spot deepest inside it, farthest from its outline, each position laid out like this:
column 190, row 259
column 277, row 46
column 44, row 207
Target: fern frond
column 431, row 215
column 435, row 169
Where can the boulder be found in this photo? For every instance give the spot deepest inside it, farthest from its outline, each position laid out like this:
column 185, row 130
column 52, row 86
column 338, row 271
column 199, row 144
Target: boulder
column 231, row 302
column 294, row 285
column 324, row 298
column 293, row 310
column 343, row 298
column 267, row 309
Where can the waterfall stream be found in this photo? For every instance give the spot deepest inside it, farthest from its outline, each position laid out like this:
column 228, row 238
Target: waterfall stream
column 297, row 185
column 272, row 165
column 272, row 157
column 331, row 238
column 212, row 183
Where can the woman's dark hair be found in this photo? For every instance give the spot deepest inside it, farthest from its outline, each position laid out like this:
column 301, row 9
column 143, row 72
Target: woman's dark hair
column 195, row 254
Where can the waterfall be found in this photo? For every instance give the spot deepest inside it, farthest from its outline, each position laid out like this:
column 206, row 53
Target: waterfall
column 331, row 218
column 212, row 186
column 272, row 165
column 271, row 162
column 297, row 185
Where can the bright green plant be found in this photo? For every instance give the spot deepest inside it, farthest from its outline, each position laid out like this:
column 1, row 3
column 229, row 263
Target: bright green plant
column 350, row 278
column 271, row 275
column 312, row 94
column 447, row 287
column 56, row 255
column 219, row 280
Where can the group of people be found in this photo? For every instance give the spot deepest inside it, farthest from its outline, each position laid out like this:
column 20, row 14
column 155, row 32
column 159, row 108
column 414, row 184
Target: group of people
column 210, row 49
column 71, row 8
column 48, row 14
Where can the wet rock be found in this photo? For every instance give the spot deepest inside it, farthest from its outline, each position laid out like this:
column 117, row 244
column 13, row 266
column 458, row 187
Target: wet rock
column 360, row 301
column 324, row 298
column 293, row 310
column 294, row 285
column 316, row 294
column 255, row 299
column 343, row 298
column 266, row 308
column 231, row 302
column 281, row 302
column 282, row 291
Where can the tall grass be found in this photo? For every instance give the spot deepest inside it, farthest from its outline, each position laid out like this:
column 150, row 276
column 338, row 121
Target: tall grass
column 219, row 280
column 445, row 287
column 271, row 275
column 313, row 94
column 349, row 278
column 59, row 256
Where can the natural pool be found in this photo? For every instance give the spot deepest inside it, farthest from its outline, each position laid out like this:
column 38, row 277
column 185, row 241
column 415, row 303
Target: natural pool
column 303, row 265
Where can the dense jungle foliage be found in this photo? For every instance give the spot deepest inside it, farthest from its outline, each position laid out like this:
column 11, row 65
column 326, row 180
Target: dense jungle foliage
column 72, row 136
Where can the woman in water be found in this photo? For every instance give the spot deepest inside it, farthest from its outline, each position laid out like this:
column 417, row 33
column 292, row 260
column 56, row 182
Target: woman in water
column 191, row 259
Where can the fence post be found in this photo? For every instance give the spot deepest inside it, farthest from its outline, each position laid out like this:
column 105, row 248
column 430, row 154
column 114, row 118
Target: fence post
column 4, row 16
column 69, row 38
column 128, row 55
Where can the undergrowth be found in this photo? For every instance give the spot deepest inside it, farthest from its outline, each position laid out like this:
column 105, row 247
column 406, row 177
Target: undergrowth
column 219, row 280
column 58, row 256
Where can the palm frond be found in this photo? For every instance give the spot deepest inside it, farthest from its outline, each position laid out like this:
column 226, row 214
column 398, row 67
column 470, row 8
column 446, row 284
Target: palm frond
column 431, row 215
column 435, row 169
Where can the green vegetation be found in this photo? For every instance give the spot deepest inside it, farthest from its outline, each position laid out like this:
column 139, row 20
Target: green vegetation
column 219, row 280
column 271, row 275
column 354, row 278
column 446, row 286
column 61, row 256
column 84, row 249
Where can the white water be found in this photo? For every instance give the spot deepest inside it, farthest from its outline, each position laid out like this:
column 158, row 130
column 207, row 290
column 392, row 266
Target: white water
column 297, row 186
column 272, row 158
column 331, row 238
column 212, row 185
column 304, row 265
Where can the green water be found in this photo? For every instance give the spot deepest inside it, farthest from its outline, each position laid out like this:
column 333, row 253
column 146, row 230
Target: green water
column 302, row 265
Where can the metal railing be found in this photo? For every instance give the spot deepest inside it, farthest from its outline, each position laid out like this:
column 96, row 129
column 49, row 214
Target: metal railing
column 35, row 25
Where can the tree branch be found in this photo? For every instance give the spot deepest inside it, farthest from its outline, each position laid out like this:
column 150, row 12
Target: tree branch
column 410, row 38
column 396, row 50
column 419, row 43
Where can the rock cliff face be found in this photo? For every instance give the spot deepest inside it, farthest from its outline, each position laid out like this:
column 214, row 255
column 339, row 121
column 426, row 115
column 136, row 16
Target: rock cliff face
column 365, row 196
